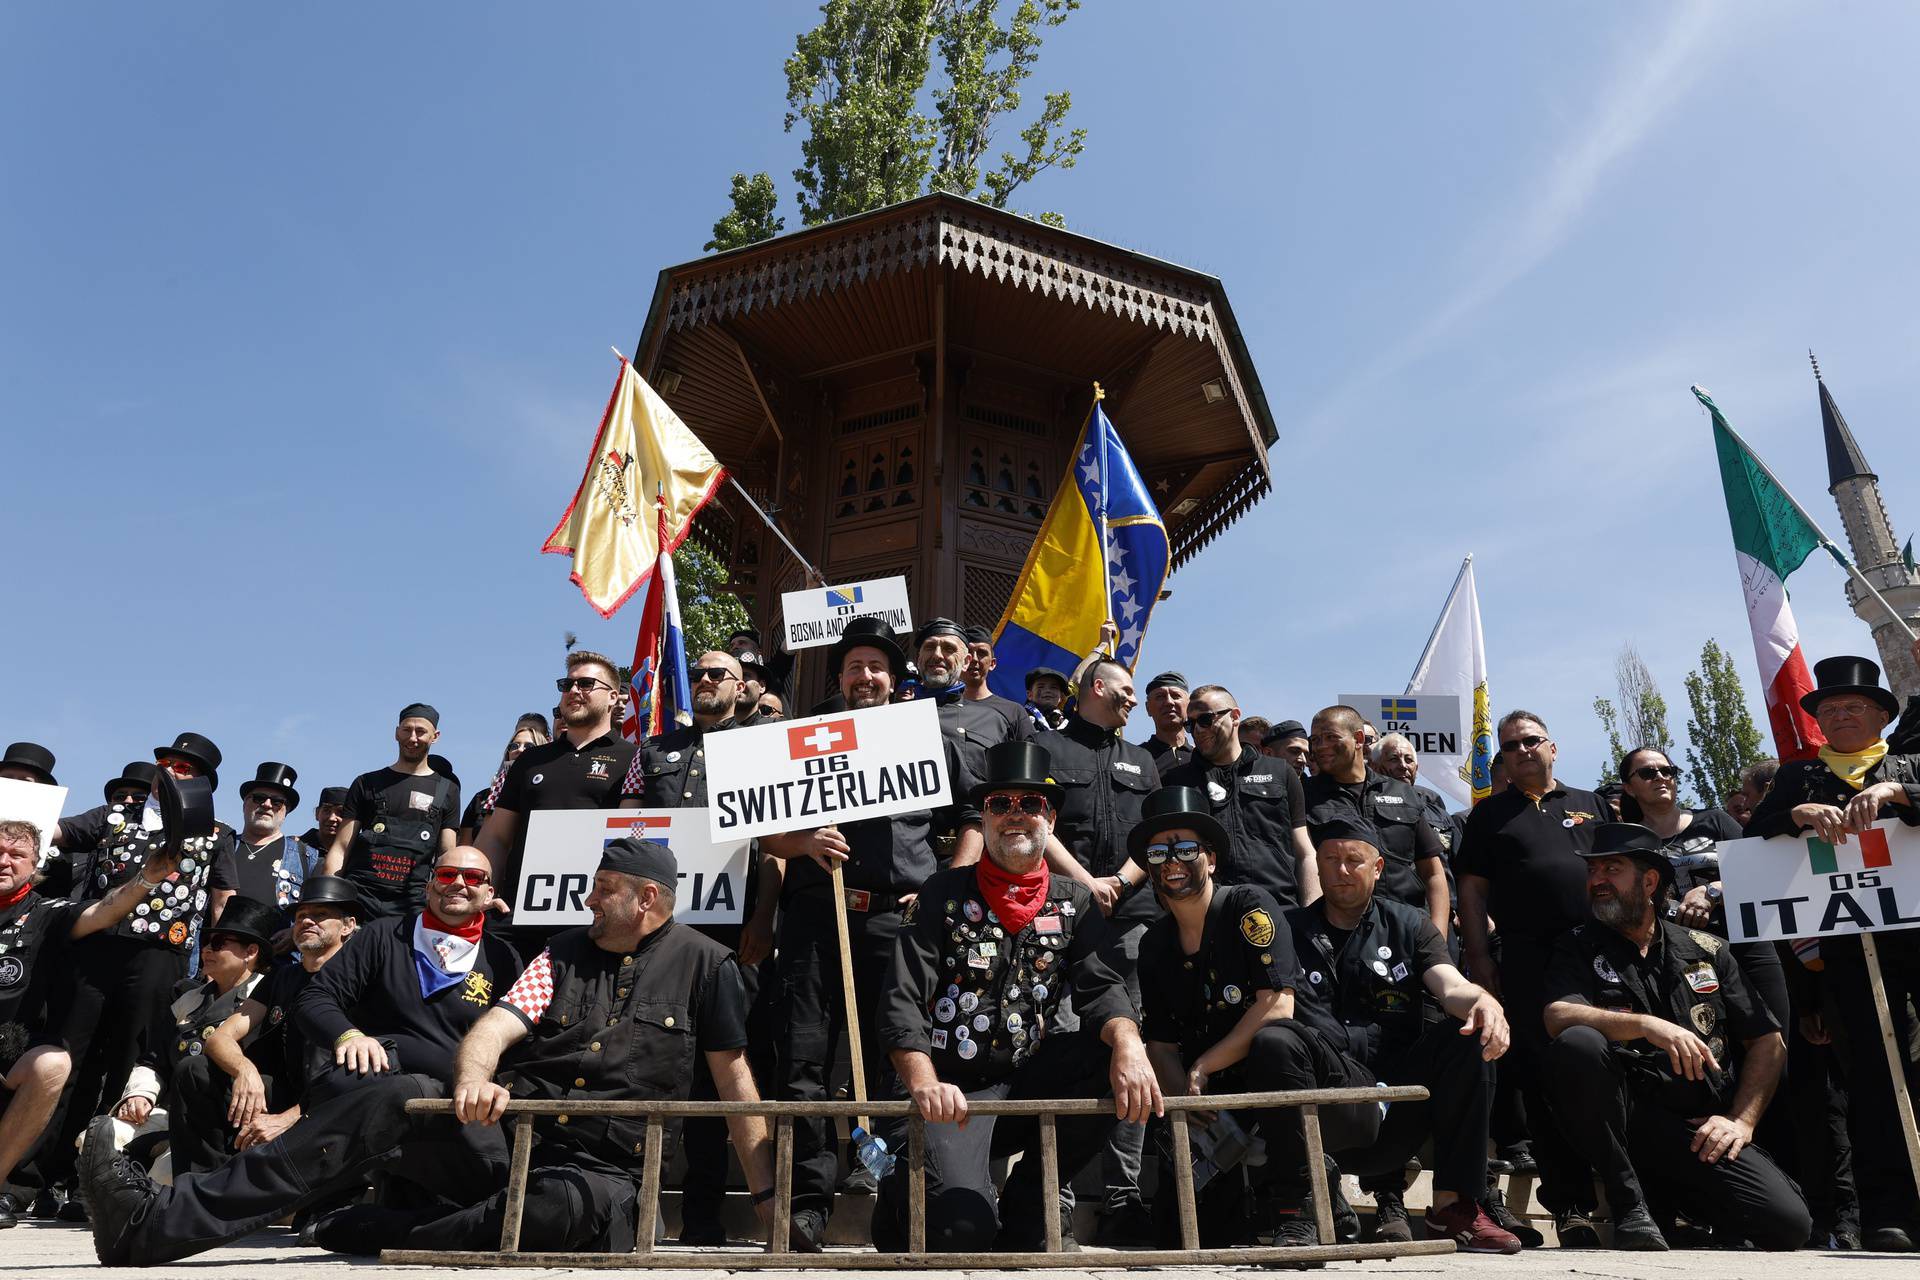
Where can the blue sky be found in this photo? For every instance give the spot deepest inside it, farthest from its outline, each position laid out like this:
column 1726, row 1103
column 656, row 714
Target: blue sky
column 304, row 322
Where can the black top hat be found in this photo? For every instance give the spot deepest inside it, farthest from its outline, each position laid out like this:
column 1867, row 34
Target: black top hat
column 197, row 749
column 331, row 891
column 1171, row 807
column 1631, row 840
column 1848, row 675
column 186, row 808
column 135, row 775
column 1038, row 672
column 444, row 767
column 869, row 633
column 336, row 796
column 277, row 778
column 249, row 919
column 32, row 757
column 1018, row 766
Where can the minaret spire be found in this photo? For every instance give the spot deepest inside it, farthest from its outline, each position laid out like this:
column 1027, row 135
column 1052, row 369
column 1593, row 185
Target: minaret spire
column 1844, row 459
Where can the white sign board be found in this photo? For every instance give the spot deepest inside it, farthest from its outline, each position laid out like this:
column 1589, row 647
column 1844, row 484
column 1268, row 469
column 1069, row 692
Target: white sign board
column 1430, row 721
column 801, row 774
column 35, row 803
column 563, row 851
column 818, row 616
column 1804, row 887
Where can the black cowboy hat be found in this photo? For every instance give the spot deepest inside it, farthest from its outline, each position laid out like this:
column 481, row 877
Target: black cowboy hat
column 186, row 808
column 1631, row 840
column 1018, row 766
column 32, row 757
column 331, row 891
column 1171, row 807
column 869, row 633
column 247, row 919
column 197, row 749
column 136, row 775
column 1848, row 675
column 277, row 778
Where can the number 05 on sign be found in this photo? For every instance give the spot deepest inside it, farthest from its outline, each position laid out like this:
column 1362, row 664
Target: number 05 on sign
column 1812, row 888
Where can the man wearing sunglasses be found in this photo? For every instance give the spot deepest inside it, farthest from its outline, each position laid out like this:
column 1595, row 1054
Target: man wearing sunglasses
column 1856, row 780
column 1258, row 799
column 584, row 767
column 272, row 865
column 399, row 819
column 970, row 1012
column 1521, row 863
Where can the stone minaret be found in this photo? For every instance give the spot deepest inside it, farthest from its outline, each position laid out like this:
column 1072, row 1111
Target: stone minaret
column 1876, row 551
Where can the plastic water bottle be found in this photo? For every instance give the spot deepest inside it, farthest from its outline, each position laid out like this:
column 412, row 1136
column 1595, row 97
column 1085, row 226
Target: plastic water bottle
column 873, row 1153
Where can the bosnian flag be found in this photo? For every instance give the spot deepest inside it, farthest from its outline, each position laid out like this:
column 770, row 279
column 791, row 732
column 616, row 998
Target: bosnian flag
column 1770, row 540
column 657, row 695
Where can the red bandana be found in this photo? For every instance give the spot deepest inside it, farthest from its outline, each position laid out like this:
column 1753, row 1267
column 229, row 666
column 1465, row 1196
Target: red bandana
column 470, row 930
column 1015, row 899
column 26, row 887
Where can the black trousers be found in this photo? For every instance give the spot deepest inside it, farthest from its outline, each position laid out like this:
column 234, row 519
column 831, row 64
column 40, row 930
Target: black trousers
column 198, row 1134
column 350, row 1137
column 1881, row 1168
column 575, row 1204
column 963, row 1213
column 1640, row 1148
column 1816, row 1103
column 703, row 1188
column 813, row 1022
column 1566, row 1179
column 1291, row 1055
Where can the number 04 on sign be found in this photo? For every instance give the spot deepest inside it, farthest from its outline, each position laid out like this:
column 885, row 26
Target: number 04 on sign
column 1810, row 888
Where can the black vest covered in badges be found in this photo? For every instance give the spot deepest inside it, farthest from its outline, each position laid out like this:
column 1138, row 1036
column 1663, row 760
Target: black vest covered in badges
column 195, row 1015
column 167, row 916
column 618, row 1026
column 396, row 851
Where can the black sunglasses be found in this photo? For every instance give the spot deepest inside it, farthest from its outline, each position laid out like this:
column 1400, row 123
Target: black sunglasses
column 1205, row 719
column 586, row 684
column 718, row 675
column 1528, row 743
column 1648, row 772
column 1178, row 850
column 1002, row 804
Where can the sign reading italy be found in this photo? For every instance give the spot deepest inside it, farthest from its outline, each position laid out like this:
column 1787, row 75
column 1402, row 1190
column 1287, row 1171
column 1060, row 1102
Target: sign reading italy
column 563, row 851
column 818, row 616
column 1810, row 888
column 800, row 774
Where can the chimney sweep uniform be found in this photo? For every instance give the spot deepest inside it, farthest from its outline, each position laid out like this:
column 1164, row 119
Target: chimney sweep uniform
column 1258, row 799
column 1167, row 758
column 1397, row 812
column 273, row 872
column 398, row 818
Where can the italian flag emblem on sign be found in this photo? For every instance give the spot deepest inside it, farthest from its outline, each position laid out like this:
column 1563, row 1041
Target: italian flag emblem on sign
column 1824, row 859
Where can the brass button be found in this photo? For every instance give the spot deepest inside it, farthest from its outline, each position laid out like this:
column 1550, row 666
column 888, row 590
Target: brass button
column 613, row 1021
column 561, row 1119
column 626, row 960
column 694, row 772
column 594, row 1047
column 688, row 795
column 669, row 1019
column 622, row 993
column 579, row 1082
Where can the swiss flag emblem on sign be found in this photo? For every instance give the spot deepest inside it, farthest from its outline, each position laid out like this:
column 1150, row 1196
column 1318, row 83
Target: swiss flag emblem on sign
column 828, row 738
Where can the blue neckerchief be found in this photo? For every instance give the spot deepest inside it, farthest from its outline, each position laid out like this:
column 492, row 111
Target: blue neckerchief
column 433, row 979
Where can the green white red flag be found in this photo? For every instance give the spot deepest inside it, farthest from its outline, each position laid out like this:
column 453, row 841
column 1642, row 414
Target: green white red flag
column 1771, row 538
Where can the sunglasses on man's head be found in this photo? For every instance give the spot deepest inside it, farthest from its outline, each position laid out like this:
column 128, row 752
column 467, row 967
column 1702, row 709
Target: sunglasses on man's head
column 1527, row 743
column 470, row 876
column 1205, row 719
column 1178, row 850
column 585, row 684
column 701, row 675
column 1648, row 772
column 1002, row 804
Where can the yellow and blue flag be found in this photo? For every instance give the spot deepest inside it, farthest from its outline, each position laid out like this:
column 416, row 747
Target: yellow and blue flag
column 1068, row 587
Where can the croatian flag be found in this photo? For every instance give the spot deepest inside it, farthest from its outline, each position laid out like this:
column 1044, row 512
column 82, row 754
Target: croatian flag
column 657, row 695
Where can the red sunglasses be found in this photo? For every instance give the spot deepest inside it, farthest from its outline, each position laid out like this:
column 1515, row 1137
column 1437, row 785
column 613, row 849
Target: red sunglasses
column 472, row 876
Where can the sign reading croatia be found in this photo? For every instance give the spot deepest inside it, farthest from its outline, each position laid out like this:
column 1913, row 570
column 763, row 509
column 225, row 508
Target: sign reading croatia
column 563, row 851
column 801, row 774
column 1810, row 888
column 818, row 616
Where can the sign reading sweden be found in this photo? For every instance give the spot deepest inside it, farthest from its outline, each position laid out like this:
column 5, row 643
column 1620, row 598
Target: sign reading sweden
column 818, row 616
column 1428, row 720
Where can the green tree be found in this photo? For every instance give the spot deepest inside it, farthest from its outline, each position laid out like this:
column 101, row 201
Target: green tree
column 859, row 86
column 708, row 612
column 1638, row 718
column 1721, row 737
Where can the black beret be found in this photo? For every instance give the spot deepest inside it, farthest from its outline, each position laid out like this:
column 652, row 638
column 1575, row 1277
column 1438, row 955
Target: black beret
column 937, row 627
column 423, row 711
column 1344, row 826
column 336, row 796
column 649, row 859
column 1285, row 731
column 1167, row 680
column 977, row 635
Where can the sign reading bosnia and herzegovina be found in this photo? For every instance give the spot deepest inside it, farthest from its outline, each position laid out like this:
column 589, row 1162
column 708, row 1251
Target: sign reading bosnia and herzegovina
column 1806, row 887
column 825, row 770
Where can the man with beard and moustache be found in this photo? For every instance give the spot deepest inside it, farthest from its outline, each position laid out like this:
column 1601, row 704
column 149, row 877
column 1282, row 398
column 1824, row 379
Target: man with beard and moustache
column 1256, row 798
column 884, row 861
column 1521, row 862
column 672, row 774
column 1103, row 780
column 1048, row 692
column 970, row 1011
column 1167, row 708
column 391, row 1005
column 584, row 767
column 1415, row 859
column 329, row 811
column 399, row 819
column 979, row 665
column 270, row 864
column 254, row 1069
column 1643, row 1018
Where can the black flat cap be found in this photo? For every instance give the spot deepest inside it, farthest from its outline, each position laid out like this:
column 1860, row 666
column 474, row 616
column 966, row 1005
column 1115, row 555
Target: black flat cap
column 422, row 711
column 1168, row 680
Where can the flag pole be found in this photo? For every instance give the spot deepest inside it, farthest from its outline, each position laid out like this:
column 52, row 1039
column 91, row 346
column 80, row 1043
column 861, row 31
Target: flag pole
column 1434, row 634
column 1826, row 543
column 1106, row 551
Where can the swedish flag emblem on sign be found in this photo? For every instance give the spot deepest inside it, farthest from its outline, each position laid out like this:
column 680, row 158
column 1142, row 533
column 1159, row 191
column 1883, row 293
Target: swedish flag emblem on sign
column 842, row 597
column 1400, row 709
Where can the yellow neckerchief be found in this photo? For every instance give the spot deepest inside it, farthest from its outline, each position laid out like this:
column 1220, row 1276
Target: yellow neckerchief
column 1851, row 766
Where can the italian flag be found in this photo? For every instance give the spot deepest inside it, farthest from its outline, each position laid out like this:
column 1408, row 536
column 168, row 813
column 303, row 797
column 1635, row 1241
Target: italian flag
column 1770, row 540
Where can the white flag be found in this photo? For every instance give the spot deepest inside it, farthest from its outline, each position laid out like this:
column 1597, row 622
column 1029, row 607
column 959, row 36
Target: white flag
column 1455, row 665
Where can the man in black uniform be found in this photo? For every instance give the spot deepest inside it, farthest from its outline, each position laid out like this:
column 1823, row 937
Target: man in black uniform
column 1521, row 863
column 969, row 1011
column 271, row 865
column 1167, row 707
column 584, row 767
column 329, row 811
column 34, row 935
column 1395, row 757
column 1103, row 778
column 1647, row 1020
column 399, row 819
column 941, row 655
column 885, row 861
column 1415, row 872
column 1360, row 1016
column 980, row 664
column 1256, row 798
column 1855, row 781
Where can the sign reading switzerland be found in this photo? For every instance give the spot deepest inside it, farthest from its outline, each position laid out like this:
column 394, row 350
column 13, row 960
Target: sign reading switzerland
column 801, row 774
column 1808, row 888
